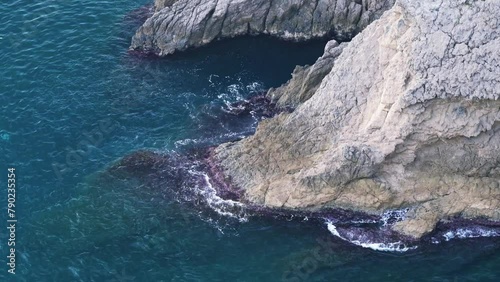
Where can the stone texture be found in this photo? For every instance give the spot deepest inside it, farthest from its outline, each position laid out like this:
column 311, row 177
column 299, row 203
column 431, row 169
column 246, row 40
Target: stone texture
column 178, row 25
column 408, row 117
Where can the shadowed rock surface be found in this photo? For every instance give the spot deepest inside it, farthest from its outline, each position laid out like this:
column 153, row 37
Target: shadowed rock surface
column 408, row 117
column 178, row 25
column 306, row 79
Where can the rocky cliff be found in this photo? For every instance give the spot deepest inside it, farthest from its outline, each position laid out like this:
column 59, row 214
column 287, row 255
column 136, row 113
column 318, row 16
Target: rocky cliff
column 306, row 79
column 406, row 115
column 160, row 4
column 181, row 24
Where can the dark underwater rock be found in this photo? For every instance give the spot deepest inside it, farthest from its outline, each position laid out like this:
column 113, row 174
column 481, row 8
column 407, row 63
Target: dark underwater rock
column 141, row 163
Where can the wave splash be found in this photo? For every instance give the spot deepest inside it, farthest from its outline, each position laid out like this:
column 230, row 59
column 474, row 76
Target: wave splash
column 224, row 207
column 377, row 235
column 465, row 233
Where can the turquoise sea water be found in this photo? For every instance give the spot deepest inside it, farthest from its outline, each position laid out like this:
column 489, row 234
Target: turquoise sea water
column 74, row 101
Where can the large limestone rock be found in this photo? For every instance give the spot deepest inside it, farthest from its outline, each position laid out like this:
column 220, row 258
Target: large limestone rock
column 408, row 117
column 180, row 24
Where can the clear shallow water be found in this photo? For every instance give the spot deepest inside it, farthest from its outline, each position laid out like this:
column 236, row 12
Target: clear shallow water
column 65, row 73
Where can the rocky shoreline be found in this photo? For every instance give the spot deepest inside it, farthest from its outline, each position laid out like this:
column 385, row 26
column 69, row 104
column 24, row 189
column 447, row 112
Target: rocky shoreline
column 404, row 117
column 182, row 24
column 185, row 173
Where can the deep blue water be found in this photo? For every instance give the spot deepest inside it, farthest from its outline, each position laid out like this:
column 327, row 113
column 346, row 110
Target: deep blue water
column 66, row 75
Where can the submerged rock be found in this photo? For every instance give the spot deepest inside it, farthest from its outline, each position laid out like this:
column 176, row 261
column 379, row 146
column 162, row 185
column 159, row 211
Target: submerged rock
column 140, row 163
column 408, row 117
column 178, row 25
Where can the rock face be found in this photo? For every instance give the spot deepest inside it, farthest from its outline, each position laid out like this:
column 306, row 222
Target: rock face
column 181, row 24
column 408, row 117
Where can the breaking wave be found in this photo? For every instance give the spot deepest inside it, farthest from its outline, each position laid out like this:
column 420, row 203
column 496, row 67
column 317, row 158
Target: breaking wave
column 377, row 246
column 227, row 208
column 466, row 233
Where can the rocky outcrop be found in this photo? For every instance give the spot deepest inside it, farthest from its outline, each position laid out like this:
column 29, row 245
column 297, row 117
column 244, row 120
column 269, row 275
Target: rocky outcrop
column 306, row 79
column 408, row 117
column 160, row 4
column 178, row 25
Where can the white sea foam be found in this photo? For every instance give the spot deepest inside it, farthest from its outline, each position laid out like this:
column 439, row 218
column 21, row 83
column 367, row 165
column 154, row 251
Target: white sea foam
column 333, row 229
column 394, row 216
column 209, row 140
column 185, row 142
column 390, row 247
column 364, row 221
column 230, row 106
column 255, row 87
column 228, row 208
column 222, row 206
column 238, row 92
column 235, row 90
column 463, row 233
column 210, row 79
column 385, row 247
